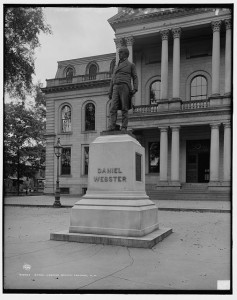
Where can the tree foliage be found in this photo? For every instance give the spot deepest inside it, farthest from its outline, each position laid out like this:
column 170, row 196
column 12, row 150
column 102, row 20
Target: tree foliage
column 22, row 28
column 24, row 143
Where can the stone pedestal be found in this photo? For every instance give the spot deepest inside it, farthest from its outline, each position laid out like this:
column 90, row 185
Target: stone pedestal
column 115, row 206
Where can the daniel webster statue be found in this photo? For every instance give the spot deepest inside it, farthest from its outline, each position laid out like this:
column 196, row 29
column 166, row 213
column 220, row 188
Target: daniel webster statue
column 121, row 90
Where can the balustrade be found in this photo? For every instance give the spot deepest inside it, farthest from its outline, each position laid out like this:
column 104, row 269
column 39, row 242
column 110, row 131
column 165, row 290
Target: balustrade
column 195, row 104
column 78, row 79
column 186, row 105
column 145, row 108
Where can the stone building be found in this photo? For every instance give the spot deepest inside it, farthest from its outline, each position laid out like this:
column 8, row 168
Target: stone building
column 182, row 111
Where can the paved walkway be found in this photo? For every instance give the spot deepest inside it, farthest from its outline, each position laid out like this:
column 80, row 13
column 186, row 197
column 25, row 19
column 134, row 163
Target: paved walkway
column 194, row 257
column 69, row 201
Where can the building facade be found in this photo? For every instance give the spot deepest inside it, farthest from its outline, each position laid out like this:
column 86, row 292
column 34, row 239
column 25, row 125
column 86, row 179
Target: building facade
column 182, row 111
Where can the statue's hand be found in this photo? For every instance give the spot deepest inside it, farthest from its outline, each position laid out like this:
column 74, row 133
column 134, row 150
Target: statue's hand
column 133, row 92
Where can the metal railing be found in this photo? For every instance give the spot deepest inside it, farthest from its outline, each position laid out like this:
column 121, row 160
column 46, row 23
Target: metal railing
column 78, row 79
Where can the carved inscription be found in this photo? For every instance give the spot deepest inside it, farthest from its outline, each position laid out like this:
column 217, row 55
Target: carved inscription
column 109, row 175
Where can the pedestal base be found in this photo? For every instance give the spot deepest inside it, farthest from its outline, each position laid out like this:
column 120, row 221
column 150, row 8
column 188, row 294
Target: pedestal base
column 147, row 241
column 120, row 217
column 115, row 209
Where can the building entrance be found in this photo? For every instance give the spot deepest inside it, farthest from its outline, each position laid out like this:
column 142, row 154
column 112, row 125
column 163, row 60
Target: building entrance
column 197, row 161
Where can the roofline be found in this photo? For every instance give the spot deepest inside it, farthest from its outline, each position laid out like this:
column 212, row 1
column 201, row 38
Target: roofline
column 89, row 58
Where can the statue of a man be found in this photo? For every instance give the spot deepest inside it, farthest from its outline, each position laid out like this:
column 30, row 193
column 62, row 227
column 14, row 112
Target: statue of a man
column 121, row 90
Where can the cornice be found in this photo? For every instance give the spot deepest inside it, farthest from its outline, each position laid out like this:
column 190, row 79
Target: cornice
column 76, row 86
column 159, row 25
column 166, row 14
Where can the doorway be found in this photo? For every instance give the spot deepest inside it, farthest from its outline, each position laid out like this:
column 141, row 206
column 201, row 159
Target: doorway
column 197, row 161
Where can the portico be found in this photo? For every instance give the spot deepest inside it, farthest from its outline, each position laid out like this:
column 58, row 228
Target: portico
column 171, row 44
column 174, row 47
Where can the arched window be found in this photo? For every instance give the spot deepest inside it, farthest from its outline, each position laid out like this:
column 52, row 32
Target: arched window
column 92, row 72
column 66, row 118
column 198, row 88
column 69, row 74
column 89, row 116
column 155, row 89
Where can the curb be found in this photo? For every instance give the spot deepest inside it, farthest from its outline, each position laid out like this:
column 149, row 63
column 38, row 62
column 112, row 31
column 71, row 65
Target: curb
column 38, row 205
column 201, row 210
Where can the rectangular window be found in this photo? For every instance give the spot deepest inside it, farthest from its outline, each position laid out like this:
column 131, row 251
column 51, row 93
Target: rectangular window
column 138, row 167
column 85, row 160
column 66, row 161
column 64, row 190
column 154, row 157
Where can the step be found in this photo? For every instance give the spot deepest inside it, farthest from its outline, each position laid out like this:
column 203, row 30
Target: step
column 189, row 195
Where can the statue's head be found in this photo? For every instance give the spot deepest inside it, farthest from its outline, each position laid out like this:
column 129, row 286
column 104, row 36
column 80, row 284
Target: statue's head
column 124, row 51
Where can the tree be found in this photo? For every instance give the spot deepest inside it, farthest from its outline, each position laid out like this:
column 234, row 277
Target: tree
column 22, row 28
column 24, row 143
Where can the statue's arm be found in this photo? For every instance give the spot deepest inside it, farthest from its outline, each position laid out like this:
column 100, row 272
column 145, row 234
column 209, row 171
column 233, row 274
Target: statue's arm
column 135, row 78
column 111, row 88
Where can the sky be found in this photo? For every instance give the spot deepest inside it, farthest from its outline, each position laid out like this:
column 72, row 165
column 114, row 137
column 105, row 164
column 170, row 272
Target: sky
column 77, row 32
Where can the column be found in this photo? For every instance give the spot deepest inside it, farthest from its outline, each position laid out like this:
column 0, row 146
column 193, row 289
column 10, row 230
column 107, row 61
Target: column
column 129, row 42
column 227, row 152
column 175, row 154
column 176, row 62
column 216, row 58
column 228, row 66
column 164, row 64
column 163, row 153
column 138, row 95
column 214, row 154
column 118, row 43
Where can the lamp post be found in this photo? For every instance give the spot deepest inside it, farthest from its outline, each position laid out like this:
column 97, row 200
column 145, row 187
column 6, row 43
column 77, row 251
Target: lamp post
column 58, row 152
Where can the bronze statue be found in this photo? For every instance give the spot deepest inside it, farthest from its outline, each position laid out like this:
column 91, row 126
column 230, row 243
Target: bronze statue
column 121, row 91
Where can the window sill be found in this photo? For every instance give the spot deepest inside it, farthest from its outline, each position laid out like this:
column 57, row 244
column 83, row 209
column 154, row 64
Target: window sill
column 65, row 133
column 84, row 176
column 89, row 131
column 66, row 176
column 153, row 173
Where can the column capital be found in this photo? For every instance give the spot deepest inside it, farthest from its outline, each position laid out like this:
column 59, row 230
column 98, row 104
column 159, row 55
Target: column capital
column 175, row 128
column 227, row 124
column 164, row 34
column 176, row 32
column 129, row 40
column 215, row 125
column 118, row 42
column 163, row 128
column 228, row 24
column 216, row 25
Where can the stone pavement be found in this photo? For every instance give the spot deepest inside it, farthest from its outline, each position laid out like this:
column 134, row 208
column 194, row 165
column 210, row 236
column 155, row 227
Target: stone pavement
column 193, row 258
column 172, row 205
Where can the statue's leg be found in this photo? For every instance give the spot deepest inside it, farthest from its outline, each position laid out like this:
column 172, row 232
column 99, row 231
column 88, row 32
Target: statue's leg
column 124, row 95
column 114, row 108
